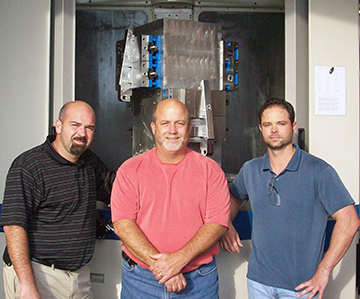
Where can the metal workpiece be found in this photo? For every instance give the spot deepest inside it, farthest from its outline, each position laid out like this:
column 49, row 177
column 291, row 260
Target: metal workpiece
column 207, row 117
column 191, row 53
column 128, row 69
column 175, row 53
column 182, row 59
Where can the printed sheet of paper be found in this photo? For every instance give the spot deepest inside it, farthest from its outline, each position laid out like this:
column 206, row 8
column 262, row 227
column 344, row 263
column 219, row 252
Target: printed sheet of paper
column 330, row 95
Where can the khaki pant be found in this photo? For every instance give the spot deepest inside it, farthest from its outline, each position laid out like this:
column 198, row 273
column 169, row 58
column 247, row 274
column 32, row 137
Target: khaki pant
column 51, row 283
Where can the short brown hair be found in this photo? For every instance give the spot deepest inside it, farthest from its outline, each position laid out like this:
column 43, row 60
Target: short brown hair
column 278, row 102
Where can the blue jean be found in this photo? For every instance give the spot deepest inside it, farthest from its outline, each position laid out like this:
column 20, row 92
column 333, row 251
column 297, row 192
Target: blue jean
column 260, row 291
column 140, row 283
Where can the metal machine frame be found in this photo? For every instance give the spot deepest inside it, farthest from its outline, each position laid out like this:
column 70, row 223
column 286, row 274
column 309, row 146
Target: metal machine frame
column 181, row 59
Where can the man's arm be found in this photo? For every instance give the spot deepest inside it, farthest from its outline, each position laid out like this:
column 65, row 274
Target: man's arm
column 230, row 242
column 136, row 242
column 18, row 248
column 347, row 223
column 169, row 264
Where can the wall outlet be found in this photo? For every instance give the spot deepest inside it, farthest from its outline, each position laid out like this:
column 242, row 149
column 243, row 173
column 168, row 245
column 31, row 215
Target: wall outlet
column 97, row 277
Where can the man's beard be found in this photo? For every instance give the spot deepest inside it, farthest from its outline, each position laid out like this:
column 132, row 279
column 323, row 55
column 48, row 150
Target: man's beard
column 172, row 146
column 278, row 145
column 78, row 149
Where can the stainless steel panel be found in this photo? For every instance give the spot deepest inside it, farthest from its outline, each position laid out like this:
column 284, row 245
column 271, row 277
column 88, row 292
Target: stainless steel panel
column 191, row 53
column 144, row 102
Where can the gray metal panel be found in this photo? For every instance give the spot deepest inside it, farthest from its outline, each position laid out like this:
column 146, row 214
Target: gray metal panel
column 218, row 100
column 191, row 53
column 154, row 28
column 261, row 39
column 203, row 3
column 144, row 102
column 96, row 35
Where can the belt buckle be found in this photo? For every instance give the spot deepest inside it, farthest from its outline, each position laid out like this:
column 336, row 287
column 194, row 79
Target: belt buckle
column 128, row 259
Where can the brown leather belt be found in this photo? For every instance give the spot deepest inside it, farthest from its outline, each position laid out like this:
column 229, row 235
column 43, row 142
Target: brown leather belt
column 128, row 259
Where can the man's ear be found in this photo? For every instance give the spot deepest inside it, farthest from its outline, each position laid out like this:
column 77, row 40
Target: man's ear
column 152, row 127
column 58, row 126
column 294, row 126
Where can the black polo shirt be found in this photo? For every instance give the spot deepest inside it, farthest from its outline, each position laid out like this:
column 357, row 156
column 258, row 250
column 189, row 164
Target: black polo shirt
column 55, row 201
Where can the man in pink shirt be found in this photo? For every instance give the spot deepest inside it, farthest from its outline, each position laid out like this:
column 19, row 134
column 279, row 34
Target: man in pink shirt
column 170, row 206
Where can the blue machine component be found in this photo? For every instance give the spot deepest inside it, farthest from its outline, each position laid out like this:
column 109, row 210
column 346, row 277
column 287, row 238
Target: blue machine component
column 155, row 60
column 227, row 65
column 236, row 74
column 230, row 66
column 236, row 78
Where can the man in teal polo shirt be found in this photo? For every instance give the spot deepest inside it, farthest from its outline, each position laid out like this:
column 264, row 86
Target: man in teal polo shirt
column 292, row 193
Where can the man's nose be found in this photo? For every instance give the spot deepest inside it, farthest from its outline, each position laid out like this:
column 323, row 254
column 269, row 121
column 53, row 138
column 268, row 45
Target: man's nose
column 173, row 128
column 81, row 131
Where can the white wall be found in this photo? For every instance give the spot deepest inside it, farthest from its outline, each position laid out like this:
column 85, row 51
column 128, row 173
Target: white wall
column 24, row 81
column 24, row 77
column 106, row 263
column 296, row 61
column 334, row 41
column 64, row 55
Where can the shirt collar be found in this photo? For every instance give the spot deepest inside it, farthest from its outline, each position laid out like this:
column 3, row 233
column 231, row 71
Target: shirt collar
column 293, row 164
column 54, row 154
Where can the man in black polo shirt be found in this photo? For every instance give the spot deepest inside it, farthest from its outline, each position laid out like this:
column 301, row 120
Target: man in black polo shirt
column 49, row 211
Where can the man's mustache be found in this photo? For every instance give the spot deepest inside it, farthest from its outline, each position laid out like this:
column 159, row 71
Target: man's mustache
column 82, row 139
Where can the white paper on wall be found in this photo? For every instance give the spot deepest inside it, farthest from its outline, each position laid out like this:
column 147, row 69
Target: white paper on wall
column 330, row 97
